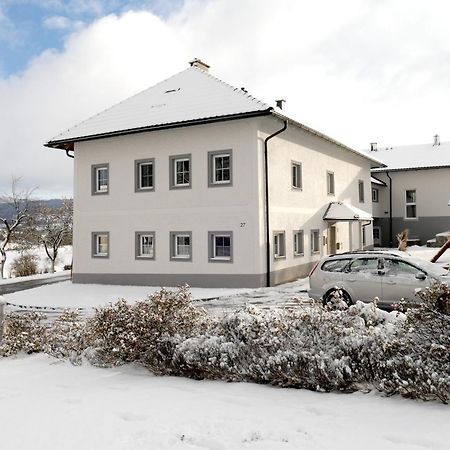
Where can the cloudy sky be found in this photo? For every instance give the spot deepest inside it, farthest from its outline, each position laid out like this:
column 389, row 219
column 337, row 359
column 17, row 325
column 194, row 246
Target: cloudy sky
column 357, row 70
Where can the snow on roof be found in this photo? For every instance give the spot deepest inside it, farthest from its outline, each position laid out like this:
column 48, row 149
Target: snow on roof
column 190, row 95
column 343, row 211
column 374, row 180
column 410, row 157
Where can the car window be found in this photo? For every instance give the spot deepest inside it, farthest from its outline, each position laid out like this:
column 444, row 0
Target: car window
column 395, row 267
column 335, row 265
column 363, row 265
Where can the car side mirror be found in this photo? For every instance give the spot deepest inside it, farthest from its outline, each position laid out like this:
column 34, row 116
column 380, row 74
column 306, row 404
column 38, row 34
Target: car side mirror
column 421, row 276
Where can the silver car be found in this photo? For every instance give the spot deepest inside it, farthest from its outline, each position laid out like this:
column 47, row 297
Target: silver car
column 363, row 276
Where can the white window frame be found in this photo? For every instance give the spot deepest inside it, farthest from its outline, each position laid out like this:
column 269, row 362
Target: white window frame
column 299, row 239
column 410, row 204
column 97, row 188
column 183, row 172
column 296, row 175
column 97, row 236
column 138, row 171
column 140, row 235
column 313, row 250
column 331, row 183
column 213, row 157
column 375, row 195
column 213, row 257
column 173, row 162
column 279, row 244
column 174, row 245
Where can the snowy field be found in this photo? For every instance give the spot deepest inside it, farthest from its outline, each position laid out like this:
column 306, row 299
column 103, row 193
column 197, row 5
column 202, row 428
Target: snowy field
column 51, row 405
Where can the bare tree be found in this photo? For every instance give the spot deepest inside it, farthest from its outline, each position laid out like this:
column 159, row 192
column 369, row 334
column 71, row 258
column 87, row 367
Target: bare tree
column 51, row 227
column 16, row 211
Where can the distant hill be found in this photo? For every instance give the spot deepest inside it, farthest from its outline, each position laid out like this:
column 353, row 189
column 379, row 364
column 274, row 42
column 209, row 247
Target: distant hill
column 6, row 211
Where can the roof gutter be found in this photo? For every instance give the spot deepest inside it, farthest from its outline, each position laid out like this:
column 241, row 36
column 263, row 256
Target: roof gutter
column 266, row 188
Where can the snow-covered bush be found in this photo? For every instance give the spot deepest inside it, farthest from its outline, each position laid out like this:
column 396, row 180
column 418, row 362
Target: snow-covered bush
column 24, row 265
column 23, row 333
column 417, row 361
column 146, row 331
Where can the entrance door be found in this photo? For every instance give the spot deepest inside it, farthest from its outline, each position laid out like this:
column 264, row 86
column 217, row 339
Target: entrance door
column 332, row 239
column 377, row 236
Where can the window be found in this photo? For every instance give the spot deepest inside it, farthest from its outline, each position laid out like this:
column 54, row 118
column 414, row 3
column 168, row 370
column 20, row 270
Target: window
column 144, row 175
column 315, row 241
column 375, row 194
column 361, row 191
column 411, row 208
column 220, row 246
column 330, row 183
column 100, row 244
column 220, row 168
column 100, row 179
column 296, row 175
column 180, row 171
column 298, row 243
column 279, row 245
column 180, row 245
column 145, row 245
column 335, row 265
column 364, row 265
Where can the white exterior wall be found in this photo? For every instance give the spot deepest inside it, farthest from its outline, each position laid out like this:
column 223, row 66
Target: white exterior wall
column 293, row 209
column 200, row 209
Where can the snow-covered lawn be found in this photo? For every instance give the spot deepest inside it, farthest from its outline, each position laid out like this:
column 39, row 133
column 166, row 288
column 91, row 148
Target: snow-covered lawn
column 50, row 405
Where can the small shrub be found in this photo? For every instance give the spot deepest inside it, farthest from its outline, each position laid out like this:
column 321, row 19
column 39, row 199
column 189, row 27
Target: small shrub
column 24, row 265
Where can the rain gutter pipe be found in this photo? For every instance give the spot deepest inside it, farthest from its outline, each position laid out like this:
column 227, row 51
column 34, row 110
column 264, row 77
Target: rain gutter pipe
column 390, row 209
column 266, row 172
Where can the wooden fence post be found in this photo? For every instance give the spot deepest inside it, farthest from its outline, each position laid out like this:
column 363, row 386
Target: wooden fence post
column 2, row 316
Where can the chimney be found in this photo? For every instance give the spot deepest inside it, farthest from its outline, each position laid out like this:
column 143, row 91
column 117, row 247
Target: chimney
column 373, row 146
column 199, row 64
column 437, row 140
column 280, row 103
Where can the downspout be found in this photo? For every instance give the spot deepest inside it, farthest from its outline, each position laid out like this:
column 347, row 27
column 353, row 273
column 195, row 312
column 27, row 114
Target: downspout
column 68, row 155
column 266, row 173
column 390, row 209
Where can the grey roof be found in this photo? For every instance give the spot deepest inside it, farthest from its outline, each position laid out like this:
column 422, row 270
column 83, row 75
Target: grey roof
column 413, row 157
column 188, row 96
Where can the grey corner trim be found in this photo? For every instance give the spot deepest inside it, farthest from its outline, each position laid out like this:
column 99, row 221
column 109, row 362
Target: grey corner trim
column 314, row 252
column 94, row 234
column 172, row 246
column 94, row 168
column 137, row 245
column 283, row 232
column 137, row 164
column 329, row 191
column 296, row 255
column 211, row 182
column 211, row 235
column 297, row 188
column 172, row 160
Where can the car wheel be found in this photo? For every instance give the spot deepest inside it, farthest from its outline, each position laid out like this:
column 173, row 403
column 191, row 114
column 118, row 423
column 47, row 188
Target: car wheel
column 336, row 293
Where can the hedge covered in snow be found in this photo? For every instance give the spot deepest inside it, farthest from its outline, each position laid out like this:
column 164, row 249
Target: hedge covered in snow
column 314, row 347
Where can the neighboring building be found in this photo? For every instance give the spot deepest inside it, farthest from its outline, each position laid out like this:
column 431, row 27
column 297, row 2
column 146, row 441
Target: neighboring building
column 412, row 192
column 170, row 187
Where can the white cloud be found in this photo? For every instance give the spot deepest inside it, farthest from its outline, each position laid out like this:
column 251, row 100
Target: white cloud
column 61, row 23
column 359, row 70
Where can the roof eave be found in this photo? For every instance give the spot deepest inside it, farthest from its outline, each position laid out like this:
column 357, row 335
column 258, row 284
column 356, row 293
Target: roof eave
column 406, row 169
column 68, row 144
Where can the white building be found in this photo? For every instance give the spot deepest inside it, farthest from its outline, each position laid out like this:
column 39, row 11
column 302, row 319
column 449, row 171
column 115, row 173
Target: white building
column 171, row 187
column 412, row 192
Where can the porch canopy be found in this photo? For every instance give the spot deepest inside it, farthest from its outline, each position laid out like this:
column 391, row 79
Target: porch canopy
column 338, row 211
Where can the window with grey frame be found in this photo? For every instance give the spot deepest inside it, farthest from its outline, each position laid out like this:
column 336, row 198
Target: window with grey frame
column 361, row 191
column 299, row 243
column 144, row 174
column 181, row 245
column 297, row 181
column 375, row 195
column 410, row 204
column 180, row 171
column 220, row 168
column 315, row 241
column 220, row 245
column 279, row 244
column 330, row 183
column 145, row 245
column 100, row 244
column 100, row 179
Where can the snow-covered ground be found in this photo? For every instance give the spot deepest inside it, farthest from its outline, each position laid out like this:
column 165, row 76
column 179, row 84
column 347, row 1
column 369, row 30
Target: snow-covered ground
column 51, row 405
